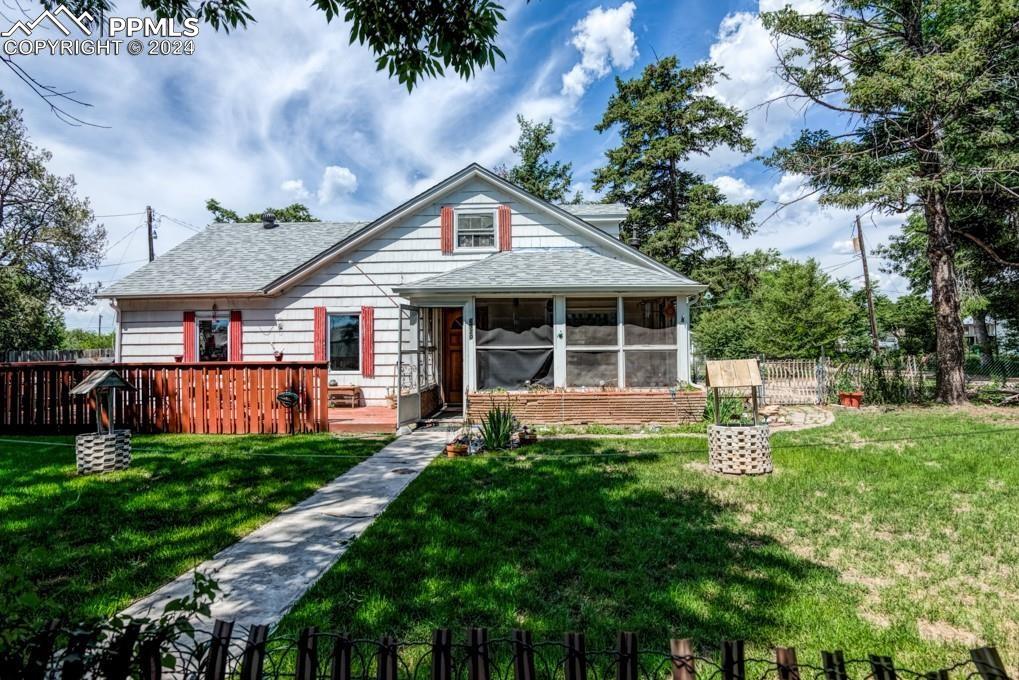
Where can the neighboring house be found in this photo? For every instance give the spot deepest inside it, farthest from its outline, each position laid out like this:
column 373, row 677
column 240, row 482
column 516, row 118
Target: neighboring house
column 472, row 286
column 996, row 330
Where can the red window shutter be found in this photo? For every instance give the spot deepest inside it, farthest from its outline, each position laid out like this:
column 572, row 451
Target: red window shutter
column 189, row 337
column 236, row 336
column 368, row 342
column 320, row 334
column 446, row 223
column 505, row 228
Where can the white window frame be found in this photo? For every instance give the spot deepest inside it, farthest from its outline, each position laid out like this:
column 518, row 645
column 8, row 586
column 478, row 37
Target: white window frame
column 457, row 212
column 210, row 316
column 329, row 344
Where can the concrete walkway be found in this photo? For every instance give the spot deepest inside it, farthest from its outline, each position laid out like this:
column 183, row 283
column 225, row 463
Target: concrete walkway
column 266, row 572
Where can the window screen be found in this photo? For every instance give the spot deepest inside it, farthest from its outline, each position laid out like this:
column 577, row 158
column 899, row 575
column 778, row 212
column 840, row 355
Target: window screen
column 592, row 369
column 475, row 230
column 213, row 339
column 344, row 342
column 650, row 368
column 514, row 369
column 649, row 321
column 514, row 322
column 592, row 321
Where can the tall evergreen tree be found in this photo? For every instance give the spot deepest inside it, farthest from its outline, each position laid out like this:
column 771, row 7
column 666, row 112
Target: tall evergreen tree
column 534, row 171
column 664, row 118
column 928, row 90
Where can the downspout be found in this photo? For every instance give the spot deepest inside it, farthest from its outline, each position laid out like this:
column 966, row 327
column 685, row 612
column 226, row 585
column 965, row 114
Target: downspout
column 117, row 334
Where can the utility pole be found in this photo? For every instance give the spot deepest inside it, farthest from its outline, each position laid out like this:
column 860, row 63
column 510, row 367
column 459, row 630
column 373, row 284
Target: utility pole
column 148, row 222
column 866, row 284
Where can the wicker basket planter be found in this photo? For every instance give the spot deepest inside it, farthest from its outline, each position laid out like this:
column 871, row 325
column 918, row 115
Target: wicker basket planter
column 739, row 450
column 103, row 452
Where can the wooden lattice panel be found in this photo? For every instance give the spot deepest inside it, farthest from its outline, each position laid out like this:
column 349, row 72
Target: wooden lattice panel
column 739, row 450
column 103, row 452
column 605, row 408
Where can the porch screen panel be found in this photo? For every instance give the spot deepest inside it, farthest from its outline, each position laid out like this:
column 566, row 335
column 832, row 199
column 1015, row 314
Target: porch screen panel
column 514, row 322
column 514, row 369
column 592, row 369
column 651, row 368
column 514, row 342
column 592, row 321
column 649, row 321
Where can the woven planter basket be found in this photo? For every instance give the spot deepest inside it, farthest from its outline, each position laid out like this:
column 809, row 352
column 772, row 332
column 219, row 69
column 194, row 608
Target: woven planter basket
column 103, row 452
column 739, row 450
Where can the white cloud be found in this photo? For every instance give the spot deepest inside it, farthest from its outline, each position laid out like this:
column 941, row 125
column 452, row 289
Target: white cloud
column 735, row 189
column 846, row 247
column 295, row 188
column 337, row 181
column 605, row 40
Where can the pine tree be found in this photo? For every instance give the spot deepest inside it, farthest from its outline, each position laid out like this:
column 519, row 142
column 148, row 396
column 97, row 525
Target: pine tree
column 534, row 171
column 664, row 119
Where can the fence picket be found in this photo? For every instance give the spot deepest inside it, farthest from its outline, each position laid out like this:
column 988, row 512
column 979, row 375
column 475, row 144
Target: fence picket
column 253, row 658
column 576, row 657
column 682, row 660
column 343, row 652
column 628, row 665
column 442, row 654
column 882, row 667
column 119, row 665
column 41, row 651
column 219, row 650
column 785, row 659
column 478, row 663
column 834, row 665
column 734, row 665
column 523, row 655
column 388, row 659
column 988, row 663
column 307, row 654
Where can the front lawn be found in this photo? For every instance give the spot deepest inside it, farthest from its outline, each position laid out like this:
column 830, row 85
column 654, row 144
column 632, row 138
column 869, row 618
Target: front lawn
column 88, row 546
column 903, row 546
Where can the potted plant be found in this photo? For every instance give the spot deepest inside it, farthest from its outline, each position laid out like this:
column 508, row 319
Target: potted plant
column 526, row 436
column 458, row 447
column 849, row 391
column 278, row 354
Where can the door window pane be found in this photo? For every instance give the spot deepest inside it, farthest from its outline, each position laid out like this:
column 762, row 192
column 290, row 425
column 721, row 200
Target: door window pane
column 514, row 322
column 650, row 368
column 514, row 369
column 649, row 321
column 592, row 321
column 592, row 369
column 344, row 342
column 213, row 339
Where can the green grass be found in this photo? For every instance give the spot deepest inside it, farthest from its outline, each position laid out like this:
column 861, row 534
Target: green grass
column 905, row 547
column 90, row 545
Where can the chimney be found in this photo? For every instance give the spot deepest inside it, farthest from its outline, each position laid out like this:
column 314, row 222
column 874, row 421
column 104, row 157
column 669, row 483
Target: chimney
column 268, row 220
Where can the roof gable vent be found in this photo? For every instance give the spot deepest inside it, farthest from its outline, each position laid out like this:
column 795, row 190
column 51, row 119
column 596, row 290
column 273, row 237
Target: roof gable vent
column 269, row 219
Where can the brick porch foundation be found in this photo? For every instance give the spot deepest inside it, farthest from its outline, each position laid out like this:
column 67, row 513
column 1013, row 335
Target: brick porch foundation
column 581, row 408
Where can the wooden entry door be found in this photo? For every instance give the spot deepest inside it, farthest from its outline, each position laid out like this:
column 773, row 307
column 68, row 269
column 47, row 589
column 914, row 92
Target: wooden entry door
column 453, row 355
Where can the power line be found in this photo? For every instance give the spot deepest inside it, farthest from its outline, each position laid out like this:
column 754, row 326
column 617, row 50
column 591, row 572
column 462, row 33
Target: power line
column 100, row 217
column 186, row 225
column 122, row 238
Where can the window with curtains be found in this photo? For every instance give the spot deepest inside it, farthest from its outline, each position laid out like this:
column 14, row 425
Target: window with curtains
column 612, row 342
column 514, row 342
column 212, row 338
column 475, row 229
column 344, row 342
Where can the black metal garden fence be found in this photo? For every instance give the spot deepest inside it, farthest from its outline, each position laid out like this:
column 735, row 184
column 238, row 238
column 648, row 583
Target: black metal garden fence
column 129, row 652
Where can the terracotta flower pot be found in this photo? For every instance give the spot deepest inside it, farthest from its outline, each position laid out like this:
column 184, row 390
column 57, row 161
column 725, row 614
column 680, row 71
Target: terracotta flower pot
column 179, row 358
column 528, row 439
column 850, row 399
column 456, row 450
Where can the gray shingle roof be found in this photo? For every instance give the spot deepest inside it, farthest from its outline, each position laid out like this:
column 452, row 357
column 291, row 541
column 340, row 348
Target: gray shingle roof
column 594, row 209
column 233, row 258
column 558, row 269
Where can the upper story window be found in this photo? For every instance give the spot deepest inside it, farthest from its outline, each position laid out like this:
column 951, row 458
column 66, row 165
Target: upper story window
column 475, row 229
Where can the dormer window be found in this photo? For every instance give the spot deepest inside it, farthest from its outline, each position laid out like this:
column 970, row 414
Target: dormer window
column 475, row 229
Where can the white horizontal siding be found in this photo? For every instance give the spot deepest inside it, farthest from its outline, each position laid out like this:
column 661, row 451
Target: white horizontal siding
column 151, row 330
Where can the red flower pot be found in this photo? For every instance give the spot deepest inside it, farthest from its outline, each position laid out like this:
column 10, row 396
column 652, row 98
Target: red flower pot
column 850, row 399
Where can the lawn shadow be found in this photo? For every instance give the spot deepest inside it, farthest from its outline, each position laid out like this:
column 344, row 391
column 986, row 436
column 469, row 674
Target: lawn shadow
column 563, row 541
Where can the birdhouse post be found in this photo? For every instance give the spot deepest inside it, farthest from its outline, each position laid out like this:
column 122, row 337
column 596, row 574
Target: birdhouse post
column 101, row 451
column 737, row 448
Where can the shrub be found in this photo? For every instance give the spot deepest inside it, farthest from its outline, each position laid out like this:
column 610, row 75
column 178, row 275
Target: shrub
column 497, row 428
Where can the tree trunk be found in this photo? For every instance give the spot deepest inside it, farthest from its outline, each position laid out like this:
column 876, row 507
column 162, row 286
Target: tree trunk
column 983, row 337
column 951, row 381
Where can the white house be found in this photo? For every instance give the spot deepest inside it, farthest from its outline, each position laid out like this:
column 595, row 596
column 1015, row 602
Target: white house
column 472, row 287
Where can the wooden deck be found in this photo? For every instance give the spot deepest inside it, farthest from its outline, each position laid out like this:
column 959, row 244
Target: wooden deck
column 363, row 420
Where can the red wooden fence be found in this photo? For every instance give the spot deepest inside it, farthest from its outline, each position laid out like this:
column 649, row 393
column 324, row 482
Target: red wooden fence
column 214, row 398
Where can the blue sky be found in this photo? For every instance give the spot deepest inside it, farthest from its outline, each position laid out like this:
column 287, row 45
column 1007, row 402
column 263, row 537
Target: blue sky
column 287, row 110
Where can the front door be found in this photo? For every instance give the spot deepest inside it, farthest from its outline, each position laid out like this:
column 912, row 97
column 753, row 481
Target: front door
column 453, row 355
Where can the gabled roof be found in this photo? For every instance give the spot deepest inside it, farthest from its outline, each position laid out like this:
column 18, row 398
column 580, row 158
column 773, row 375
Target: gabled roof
column 550, row 270
column 247, row 259
column 224, row 258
